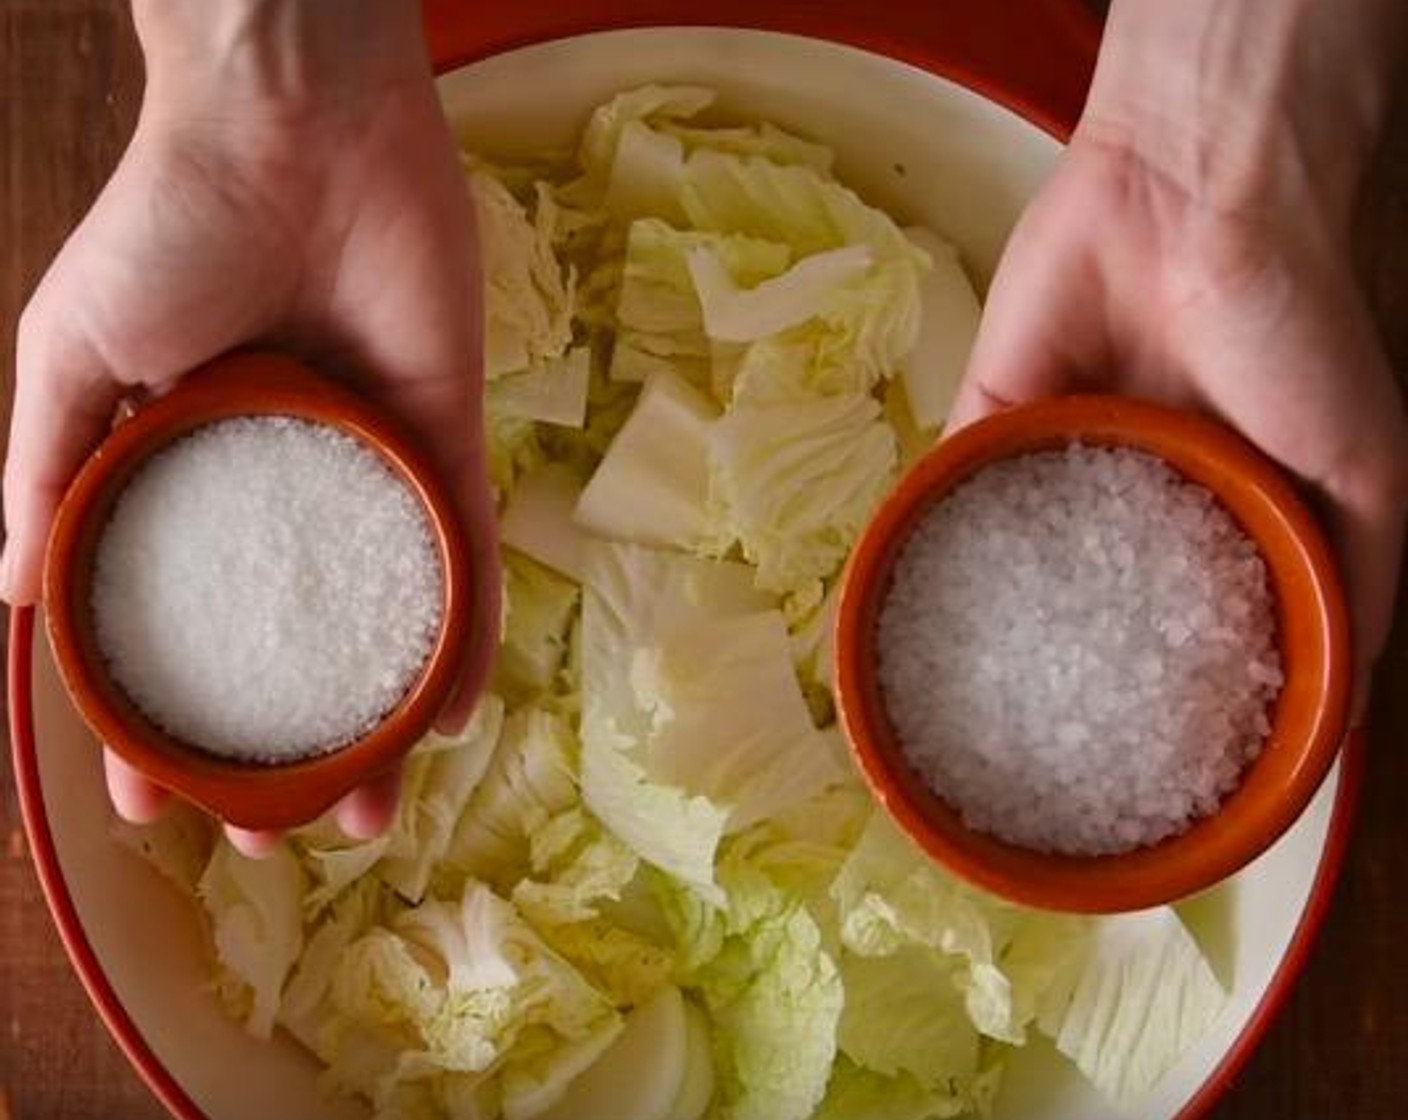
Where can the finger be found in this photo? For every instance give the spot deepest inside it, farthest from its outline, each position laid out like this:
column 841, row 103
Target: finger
column 64, row 404
column 256, row 844
column 1043, row 329
column 453, row 429
column 427, row 367
column 136, row 799
column 369, row 810
column 1310, row 385
column 465, row 700
column 459, row 443
column 1367, row 522
column 484, row 625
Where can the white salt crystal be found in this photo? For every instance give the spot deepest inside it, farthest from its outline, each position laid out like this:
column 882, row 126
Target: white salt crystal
column 266, row 589
column 1078, row 651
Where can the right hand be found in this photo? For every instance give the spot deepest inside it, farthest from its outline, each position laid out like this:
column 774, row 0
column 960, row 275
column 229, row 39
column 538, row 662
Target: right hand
column 1192, row 248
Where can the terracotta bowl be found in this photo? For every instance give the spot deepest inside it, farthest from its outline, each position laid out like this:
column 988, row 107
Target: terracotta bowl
column 1308, row 721
column 251, row 795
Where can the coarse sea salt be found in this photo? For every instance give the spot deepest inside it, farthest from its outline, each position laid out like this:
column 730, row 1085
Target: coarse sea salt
column 266, row 589
column 1078, row 650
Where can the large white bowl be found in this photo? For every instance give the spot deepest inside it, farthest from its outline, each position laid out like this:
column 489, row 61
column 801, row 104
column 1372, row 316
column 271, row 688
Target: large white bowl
column 924, row 147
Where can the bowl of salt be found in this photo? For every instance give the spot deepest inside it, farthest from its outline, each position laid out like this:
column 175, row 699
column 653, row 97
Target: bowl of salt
column 1093, row 654
column 258, row 591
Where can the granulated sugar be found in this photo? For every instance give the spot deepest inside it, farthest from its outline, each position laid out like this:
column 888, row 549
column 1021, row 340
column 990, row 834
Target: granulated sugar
column 1078, row 651
column 266, row 589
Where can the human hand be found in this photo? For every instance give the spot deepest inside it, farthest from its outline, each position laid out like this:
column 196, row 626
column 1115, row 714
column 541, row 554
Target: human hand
column 1191, row 251
column 291, row 183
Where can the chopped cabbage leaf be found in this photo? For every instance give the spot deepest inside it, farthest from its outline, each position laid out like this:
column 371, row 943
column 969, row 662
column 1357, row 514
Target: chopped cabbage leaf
column 626, row 966
column 813, row 644
column 913, row 442
column 553, row 390
column 948, row 324
column 523, row 173
column 647, row 173
column 642, row 598
column 728, row 718
column 639, row 599
column 904, row 1015
column 467, row 987
column 540, row 608
column 648, row 104
column 578, row 872
column 697, row 1088
column 801, row 850
column 439, row 777
column 538, row 520
column 793, row 205
column 530, row 779
column 178, row 844
column 609, row 405
column 426, row 819
column 1143, row 995
column 660, row 323
column 534, row 1084
column 653, row 485
column 775, row 997
column 256, row 915
column 305, row 1010
column 639, row 1077
column 514, row 447
column 734, row 314
column 765, row 140
column 855, row 1091
column 334, row 862
column 890, row 896
column 575, row 865
column 676, row 832
column 857, row 332
column 527, row 298
column 799, row 479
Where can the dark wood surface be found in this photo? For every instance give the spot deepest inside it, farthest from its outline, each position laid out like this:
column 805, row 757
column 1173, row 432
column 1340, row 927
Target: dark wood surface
column 69, row 86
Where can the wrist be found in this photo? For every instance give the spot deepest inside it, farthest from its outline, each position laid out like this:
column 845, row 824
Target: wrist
column 270, row 61
column 1248, row 105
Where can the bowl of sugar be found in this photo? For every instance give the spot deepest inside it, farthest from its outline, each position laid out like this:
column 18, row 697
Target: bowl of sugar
column 258, row 590
column 1092, row 653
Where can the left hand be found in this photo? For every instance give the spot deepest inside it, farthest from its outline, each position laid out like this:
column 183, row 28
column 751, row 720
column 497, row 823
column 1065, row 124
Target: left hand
column 324, row 214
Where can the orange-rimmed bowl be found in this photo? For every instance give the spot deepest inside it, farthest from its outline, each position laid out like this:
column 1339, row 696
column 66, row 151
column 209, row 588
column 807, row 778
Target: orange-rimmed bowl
column 248, row 794
column 1308, row 720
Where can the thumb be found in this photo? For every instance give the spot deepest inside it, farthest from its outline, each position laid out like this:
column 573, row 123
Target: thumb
column 1043, row 326
column 64, row 404
column 433, row 379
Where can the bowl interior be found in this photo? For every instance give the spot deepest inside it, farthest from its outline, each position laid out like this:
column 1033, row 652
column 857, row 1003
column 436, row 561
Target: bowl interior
column 254, row 795
column 1307, row 720
column 969, row 166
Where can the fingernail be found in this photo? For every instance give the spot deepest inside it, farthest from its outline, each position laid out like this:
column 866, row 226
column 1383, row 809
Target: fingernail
column 252, row 843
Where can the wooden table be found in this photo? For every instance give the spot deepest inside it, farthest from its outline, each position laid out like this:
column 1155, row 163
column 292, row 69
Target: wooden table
column 69, row 87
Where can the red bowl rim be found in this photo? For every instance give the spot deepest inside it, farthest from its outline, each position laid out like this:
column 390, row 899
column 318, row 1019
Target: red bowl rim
column 1056, row 120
